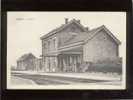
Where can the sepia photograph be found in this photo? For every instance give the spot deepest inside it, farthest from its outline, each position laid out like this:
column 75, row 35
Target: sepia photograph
column 66, row 50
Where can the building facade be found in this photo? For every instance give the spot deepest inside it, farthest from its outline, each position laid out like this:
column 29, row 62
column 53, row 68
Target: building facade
column 28, row 62
column 38, row 64
column 66, row 48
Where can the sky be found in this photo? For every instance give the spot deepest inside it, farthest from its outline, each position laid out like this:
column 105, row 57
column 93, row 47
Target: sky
column 24, row 29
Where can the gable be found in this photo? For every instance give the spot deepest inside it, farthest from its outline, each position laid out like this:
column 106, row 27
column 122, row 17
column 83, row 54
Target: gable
column 103, row 37
column 26, row 56
column 69, row 33
column 73, row 25
column 106, row 31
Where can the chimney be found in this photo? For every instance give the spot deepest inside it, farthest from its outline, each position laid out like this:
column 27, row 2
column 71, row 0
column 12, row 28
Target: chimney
column 78, row 21
column 87, row 28
column 66, row 20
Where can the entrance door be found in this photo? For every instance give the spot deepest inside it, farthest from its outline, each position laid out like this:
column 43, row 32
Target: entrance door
column 69, row 62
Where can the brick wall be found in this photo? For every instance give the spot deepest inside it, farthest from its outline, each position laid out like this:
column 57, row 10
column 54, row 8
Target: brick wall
column 66, row 33
column 100, row 47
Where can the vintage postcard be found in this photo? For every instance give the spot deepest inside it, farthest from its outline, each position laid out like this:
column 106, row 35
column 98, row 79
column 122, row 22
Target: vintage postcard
column 66, row 50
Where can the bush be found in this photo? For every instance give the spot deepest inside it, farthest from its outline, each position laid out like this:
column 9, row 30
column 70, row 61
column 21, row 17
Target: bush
column 105, row 67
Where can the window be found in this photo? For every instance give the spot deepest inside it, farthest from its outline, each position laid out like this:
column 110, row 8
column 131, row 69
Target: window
column 44, row 45
column 48, row 45
column 54, row 43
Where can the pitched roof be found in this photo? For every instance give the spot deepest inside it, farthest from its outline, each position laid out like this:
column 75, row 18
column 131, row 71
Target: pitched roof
column 85, row 36
column 25, row 56
column 95, row 31
column 62, row 27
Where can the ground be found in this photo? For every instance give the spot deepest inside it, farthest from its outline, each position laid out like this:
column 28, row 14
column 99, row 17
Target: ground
column 21, row 81
column 41, row 78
